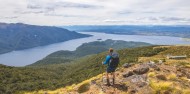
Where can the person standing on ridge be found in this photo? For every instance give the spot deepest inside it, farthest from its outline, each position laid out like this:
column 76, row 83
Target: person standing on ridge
column 112, row 59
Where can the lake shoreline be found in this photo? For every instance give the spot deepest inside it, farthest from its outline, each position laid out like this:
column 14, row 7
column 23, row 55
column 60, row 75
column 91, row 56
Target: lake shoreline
column 29, row 56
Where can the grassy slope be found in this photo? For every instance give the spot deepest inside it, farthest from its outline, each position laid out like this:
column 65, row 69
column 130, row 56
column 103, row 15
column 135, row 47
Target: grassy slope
column 59, row 75
column 173, row 84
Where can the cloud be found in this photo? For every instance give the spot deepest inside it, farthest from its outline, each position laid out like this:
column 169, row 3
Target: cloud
column 60, row 4
column 11, row 17
column 30, row 12
column 174, row 19
column 69, row 16
column 113, row 21
column 77, row 12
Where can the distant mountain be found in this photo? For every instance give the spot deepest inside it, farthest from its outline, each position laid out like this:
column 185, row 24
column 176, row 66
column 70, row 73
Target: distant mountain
column 87, row 49
column 21, row 36
column 158, row 30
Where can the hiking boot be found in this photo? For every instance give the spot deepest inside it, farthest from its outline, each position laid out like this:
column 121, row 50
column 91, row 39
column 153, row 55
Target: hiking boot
column 113, row 81
column 108, row 83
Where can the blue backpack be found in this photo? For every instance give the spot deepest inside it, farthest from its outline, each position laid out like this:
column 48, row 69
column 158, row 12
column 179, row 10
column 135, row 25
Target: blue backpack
column 114, row 61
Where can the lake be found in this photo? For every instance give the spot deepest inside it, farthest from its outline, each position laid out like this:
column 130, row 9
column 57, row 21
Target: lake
column 29, row 56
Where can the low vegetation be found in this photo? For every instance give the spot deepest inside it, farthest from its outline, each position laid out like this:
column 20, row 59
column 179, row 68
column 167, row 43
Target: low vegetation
column 53, row 76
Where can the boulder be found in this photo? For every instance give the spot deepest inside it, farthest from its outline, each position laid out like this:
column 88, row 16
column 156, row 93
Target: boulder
column 154, row 66
column 127, row 65
column 161, row 77
column 127, row 74
column 141, row 70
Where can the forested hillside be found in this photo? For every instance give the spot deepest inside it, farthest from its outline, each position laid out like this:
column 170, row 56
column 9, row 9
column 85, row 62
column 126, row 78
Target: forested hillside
column 21, row 36
column 87, row 49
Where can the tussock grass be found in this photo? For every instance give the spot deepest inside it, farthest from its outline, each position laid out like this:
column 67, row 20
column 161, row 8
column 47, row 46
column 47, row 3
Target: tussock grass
column 160, row 86
column 172, row 76
column 186, row 91
column 151, row 74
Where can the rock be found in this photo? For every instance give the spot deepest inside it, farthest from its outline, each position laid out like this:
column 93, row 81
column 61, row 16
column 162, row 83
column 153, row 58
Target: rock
column 167, row 92
column 161, row 77
column 178, row 69
column 127, row 74
column 179, row 74
column 92, row 82
column 127, row 65
column 154, row 66
column 141, row 84
column 185, row 72
column 188, row 75
column 132, row 91
column 122, row 87
column 160, row 61
column 83, row 88
column 141, row 70
column 138, row 78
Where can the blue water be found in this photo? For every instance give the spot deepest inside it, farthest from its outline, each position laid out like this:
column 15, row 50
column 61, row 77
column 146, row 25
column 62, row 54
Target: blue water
column 29, row 56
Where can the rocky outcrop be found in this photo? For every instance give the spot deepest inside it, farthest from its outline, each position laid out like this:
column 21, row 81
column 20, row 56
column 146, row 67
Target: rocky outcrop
column 141, row 70
column 154, row 66
column 127, row 65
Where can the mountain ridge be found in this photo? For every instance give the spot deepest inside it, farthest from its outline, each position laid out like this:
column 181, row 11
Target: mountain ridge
column 20, row 36
column 149, row 30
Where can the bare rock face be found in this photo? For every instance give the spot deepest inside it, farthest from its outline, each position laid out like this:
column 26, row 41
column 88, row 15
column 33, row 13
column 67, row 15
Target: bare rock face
column 141, row 70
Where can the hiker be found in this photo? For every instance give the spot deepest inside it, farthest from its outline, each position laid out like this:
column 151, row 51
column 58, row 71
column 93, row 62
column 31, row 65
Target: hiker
column 112, row 59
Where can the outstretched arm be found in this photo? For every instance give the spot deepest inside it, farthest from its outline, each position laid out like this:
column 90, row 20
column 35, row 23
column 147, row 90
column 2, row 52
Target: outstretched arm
column 107, row 59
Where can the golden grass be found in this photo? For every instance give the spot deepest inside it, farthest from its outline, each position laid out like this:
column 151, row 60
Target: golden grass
column 151, row 74
column 160, row 86
column 186, row 91
column 172, row 76
column 65, row 89
column 153, row 58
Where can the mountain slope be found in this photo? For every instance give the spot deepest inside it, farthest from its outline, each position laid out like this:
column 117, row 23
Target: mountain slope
column 58, row 75
column 87, row 49
column 141, row 78
column 21, row 36
column 51, row 77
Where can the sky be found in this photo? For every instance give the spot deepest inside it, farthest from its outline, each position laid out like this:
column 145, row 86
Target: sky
column 96, row 12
